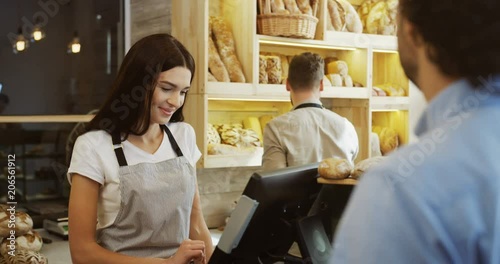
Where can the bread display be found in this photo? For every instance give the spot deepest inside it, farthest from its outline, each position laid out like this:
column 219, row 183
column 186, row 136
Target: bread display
column 225, row 45
column 375, row 145
column 347, row 81
column 379, row 16
column 215, row 63
column 211, row 77
column 253, row 123
column 284, row 68
column 326, row 81
column 336, row 80
column 338, row 67
column 27, row 242
column 248, row 138
column 230, row 136
column 336, row 14
column 334, row 168
column 361, row 167
column 342, row 16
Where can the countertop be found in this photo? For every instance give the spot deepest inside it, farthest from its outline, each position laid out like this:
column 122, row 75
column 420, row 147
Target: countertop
column 57, row 252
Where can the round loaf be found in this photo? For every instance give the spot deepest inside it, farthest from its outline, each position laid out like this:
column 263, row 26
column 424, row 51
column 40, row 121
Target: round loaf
column 334, row 168
column 361, row 167
column 31, row 241
column 213, row 136
column 27, row 257
column 24, row 223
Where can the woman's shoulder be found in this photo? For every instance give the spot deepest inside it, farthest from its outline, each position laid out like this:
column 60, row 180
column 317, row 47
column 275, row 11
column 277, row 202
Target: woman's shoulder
column 96, row 138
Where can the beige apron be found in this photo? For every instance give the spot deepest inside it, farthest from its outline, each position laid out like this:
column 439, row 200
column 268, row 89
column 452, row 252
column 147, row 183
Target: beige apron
column 156, row 203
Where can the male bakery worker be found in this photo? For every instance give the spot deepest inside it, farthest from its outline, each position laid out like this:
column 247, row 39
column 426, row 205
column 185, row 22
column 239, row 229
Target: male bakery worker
column 437, row 201
column 309, row 133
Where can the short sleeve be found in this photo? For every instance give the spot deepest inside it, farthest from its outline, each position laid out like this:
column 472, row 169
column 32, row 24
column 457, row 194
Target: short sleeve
column 85, row 162
column 193, row 148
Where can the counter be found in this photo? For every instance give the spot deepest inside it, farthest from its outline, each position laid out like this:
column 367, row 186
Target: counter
column 57, row 252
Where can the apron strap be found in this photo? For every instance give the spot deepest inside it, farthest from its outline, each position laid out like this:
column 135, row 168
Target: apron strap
column 172, row 141
column 309, row 105
column 117, row 145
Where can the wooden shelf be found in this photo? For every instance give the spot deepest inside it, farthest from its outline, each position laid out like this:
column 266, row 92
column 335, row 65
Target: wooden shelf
column 387, row 103
column 223, row 90
column 347, row 181
column 279, row 91
column 307, row 43
column 243, row 160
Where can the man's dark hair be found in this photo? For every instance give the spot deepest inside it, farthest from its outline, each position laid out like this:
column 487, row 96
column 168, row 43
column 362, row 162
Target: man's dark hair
column 306, row 71
column 4, row 98
column 461, row 36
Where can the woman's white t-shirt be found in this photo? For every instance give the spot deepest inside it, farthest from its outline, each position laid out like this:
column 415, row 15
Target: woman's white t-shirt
column 94, row 157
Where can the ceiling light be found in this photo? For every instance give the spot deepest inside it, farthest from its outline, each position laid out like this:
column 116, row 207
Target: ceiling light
column 21, row 44
column 74, row 46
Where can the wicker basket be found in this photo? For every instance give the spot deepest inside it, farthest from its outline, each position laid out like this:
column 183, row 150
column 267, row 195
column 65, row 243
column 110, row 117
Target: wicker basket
column 296, row 26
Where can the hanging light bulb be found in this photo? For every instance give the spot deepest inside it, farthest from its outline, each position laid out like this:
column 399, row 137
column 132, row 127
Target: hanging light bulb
column 37, row 34
column 21, row 43
column 74, row 46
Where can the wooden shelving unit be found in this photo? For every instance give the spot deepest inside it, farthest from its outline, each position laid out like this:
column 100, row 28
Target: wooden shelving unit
column 372, row 60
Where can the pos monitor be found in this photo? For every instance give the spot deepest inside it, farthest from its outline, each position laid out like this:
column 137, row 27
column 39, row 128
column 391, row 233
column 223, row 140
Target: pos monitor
column 274, row 212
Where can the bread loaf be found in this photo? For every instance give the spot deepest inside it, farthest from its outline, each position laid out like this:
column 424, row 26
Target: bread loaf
column 215, row 63
column 334, row 168
column 292, row 7
column 337, row 15
column 389, row 140
column 31, row 241
column 210, row 77
column 347, row 81
column 284, row 68
column 361, row 167
column 305, row 7
column 213, row 136
column 263, row 69
column 336, row 80
column 339, row 67
column 230, row 136
column 326, row 81
column 352, row 19
column 248, row 138
column 278, row 7
column 273, row 69
column 23, row 223
column 225, row 46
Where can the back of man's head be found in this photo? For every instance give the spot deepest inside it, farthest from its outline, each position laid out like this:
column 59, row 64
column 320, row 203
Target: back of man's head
column 305, row 72
column 461, row 36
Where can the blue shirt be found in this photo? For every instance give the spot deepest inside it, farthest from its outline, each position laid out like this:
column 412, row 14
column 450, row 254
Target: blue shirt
column 436, row 201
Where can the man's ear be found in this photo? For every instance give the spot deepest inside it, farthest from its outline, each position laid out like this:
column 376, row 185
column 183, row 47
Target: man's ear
column 321, row 85
column 288, row 86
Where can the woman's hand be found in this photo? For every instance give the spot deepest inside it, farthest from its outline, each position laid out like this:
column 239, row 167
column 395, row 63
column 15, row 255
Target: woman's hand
column 190, row 251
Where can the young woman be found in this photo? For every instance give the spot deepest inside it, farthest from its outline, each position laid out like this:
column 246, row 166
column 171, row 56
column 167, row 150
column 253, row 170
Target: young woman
column 134, row 170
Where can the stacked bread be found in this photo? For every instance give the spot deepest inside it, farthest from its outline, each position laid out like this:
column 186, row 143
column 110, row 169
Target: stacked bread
column 273, row 68
column 379, row 16
column 288, row 7
column 337, row 72
column 342, row 16
column 339, row 169
column 19, row 235
column 223, row 64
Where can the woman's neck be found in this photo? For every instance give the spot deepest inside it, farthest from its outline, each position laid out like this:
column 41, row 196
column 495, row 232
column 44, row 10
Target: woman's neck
column 150, row 141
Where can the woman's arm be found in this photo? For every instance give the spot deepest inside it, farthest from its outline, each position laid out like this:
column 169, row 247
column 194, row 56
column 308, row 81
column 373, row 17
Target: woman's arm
column 198, row 229
column 82, row 225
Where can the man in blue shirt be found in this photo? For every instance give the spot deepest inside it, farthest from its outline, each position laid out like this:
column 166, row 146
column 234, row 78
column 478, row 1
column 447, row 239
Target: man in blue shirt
column 437, row 201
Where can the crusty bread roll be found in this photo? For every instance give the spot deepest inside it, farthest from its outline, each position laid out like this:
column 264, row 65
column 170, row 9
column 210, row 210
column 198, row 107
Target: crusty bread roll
column 248, row 138
column 263, row 69
column 225, row 45
column 26, row 257
column 334, row 168
column 273, row 69
column 215, row 63
column 362, row 166
column 292, row 7
column 230, row 136
column 305, row 7
column 24, row 223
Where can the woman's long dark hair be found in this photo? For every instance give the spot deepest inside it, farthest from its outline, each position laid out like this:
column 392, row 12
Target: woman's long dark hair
column 127, row 108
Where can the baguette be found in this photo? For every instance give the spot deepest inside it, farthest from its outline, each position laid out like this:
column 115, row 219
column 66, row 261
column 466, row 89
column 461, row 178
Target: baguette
column 305, row 7
column 352, row 19
column 211, row 77
column 215, row 63
column 262, row 69
column 225, row 44
column 273, row 69
column 278, row 7
column 292, row 7
column 337, row 15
